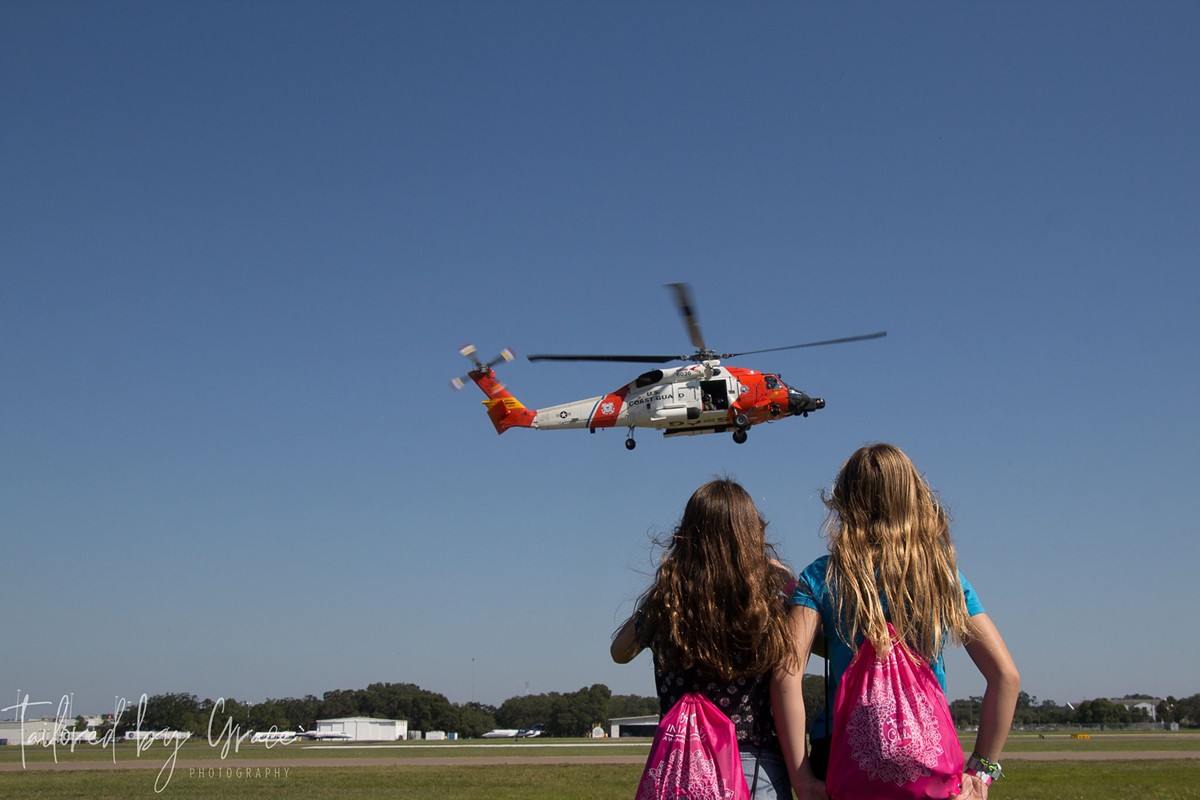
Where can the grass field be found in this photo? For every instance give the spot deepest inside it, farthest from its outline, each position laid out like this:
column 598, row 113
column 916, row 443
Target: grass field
column 293, row 771
column 1110, row 780
column 1100, row 742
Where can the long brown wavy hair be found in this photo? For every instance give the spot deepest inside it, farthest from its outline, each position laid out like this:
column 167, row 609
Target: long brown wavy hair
column 717, row 602
column 889, row 537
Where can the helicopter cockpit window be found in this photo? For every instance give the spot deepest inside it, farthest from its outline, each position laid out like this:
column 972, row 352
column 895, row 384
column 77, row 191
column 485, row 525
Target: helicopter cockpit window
column 772, row 382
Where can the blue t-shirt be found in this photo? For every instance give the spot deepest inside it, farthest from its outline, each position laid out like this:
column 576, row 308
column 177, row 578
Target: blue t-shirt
column 813, row 592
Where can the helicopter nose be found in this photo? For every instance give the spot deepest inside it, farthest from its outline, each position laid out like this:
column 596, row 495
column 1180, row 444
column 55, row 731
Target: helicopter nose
column 799, row 404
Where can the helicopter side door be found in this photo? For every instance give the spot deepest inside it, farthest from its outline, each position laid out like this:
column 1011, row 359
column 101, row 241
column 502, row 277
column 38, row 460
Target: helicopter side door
column 715, row 395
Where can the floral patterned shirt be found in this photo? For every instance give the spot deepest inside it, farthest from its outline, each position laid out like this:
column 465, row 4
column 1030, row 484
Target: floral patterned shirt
column 745, row 700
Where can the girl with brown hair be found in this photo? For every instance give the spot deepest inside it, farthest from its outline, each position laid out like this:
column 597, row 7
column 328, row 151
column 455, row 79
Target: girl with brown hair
column 716, row 619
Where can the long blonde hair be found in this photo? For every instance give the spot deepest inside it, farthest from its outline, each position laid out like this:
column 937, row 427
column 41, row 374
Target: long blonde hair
column 889, row 538
column 717, row 602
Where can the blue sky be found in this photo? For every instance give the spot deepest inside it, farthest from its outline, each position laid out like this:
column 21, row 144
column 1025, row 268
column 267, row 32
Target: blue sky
column 243, row 242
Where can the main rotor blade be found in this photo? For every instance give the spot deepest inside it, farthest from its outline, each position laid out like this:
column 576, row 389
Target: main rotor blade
column 628, row 359
column 683, row 301
column 876, row 335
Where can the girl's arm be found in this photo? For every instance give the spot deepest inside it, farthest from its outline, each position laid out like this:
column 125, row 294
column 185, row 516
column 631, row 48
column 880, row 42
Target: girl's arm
column 987, row 649
column 787, row 703
column 624, row 644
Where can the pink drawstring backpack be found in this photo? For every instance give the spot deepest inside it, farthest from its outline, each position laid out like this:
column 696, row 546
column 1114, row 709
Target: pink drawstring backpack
column 694, row 755
column 893, row 737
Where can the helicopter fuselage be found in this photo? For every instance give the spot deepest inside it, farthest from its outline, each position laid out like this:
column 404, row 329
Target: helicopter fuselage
column 696, row 398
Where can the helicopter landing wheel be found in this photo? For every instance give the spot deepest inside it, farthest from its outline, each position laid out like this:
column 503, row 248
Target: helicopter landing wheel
column 739, row 437
column 741, row 422
column 630, row 443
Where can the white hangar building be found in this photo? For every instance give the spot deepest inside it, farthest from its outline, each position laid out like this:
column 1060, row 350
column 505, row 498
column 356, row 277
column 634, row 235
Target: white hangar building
column 363, row 729
column 633, row 726
column 36, row 731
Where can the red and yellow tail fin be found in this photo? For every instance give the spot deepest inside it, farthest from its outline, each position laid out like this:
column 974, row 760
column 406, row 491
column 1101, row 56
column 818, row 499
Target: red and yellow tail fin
column 504, row 410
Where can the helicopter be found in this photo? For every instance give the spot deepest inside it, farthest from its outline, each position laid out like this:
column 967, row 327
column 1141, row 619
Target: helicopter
column 702, row 397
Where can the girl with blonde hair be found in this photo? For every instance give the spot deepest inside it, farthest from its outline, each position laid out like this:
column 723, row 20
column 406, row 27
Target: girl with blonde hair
column 716, row 619
column 891, row 560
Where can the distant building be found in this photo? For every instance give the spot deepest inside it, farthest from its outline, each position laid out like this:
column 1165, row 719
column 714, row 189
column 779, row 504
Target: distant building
column 1147, row 704
column 36, row 731
column 633, row 726
column 364, row 729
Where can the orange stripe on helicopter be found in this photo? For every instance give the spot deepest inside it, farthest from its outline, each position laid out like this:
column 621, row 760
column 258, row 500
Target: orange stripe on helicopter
column 605, row 414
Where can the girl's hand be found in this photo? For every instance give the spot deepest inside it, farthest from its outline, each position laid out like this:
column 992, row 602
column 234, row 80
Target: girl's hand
column 810, row 790
column 973, row 789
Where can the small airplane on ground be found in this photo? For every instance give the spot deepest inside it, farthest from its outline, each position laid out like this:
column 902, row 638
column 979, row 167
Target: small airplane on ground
column 513, row 733
column 323, row 736
column 702, row 397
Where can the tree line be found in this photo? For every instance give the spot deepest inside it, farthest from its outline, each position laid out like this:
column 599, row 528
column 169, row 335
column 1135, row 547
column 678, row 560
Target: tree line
column 1101, row 711
column 559, row 714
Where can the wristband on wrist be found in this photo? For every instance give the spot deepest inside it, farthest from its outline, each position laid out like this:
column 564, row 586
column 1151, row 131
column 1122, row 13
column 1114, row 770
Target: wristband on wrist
column 986, row 771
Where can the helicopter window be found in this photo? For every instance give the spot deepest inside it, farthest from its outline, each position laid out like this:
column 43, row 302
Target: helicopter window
column 773, row 382
column 645, row 379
